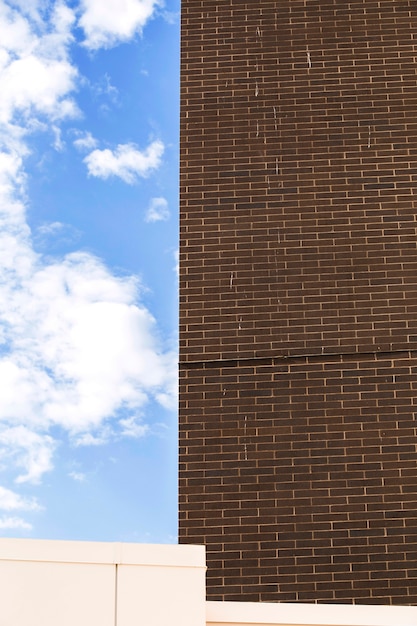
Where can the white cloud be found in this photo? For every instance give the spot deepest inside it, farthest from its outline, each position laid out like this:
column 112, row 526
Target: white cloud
column 34, row 82
column 51, row 228
column 157, row 211
column 77, row 476
column 61, row 364
column 104, row 87
column 26, row 449
column 58, row 143
column 171, row 17
column 11, row 501
column 36, row 74
column 55, row 235
column 132, row 427
column 88, row 439
column 31, row 8
column 126, row 162
column 85, row 141
column 108, row 23
column 14, row 523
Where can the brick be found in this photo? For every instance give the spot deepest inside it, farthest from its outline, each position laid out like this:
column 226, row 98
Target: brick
column 298, row 298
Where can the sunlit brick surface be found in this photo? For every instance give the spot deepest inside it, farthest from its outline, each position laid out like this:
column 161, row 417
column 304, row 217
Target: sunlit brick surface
column 298, row 311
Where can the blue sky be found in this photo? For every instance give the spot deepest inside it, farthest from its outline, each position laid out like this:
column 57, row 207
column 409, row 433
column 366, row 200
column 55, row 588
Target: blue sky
column 88, row 269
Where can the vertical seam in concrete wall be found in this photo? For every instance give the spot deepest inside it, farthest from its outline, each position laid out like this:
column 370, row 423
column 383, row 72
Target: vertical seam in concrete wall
column 116, row 591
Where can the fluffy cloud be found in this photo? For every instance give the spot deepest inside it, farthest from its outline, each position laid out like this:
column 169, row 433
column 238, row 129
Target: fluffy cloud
column 107, row 23
column 157, row 211
column 131, row 427
column 126, row 162
column 14, row 523
column 31, row 8
column 85, row 141
column 27, row 450
column 77, row 349
column 11, row 501
column 36, row 74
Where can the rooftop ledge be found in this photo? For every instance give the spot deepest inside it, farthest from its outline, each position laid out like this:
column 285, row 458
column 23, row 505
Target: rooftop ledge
column 102, row 553
column 291, row 614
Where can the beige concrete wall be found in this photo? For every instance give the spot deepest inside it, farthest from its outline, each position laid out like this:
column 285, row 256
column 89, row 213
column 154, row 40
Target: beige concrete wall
column 49, row 594
column 53, row 583
column 166, row 588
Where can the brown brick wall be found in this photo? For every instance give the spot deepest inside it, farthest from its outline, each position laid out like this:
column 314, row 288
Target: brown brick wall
column 298, row 299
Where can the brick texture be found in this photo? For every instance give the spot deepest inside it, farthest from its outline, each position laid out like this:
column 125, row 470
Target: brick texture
column 298, row 298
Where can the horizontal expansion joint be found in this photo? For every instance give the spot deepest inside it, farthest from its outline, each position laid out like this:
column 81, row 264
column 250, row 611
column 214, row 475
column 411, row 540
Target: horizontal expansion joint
column 275, row 360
